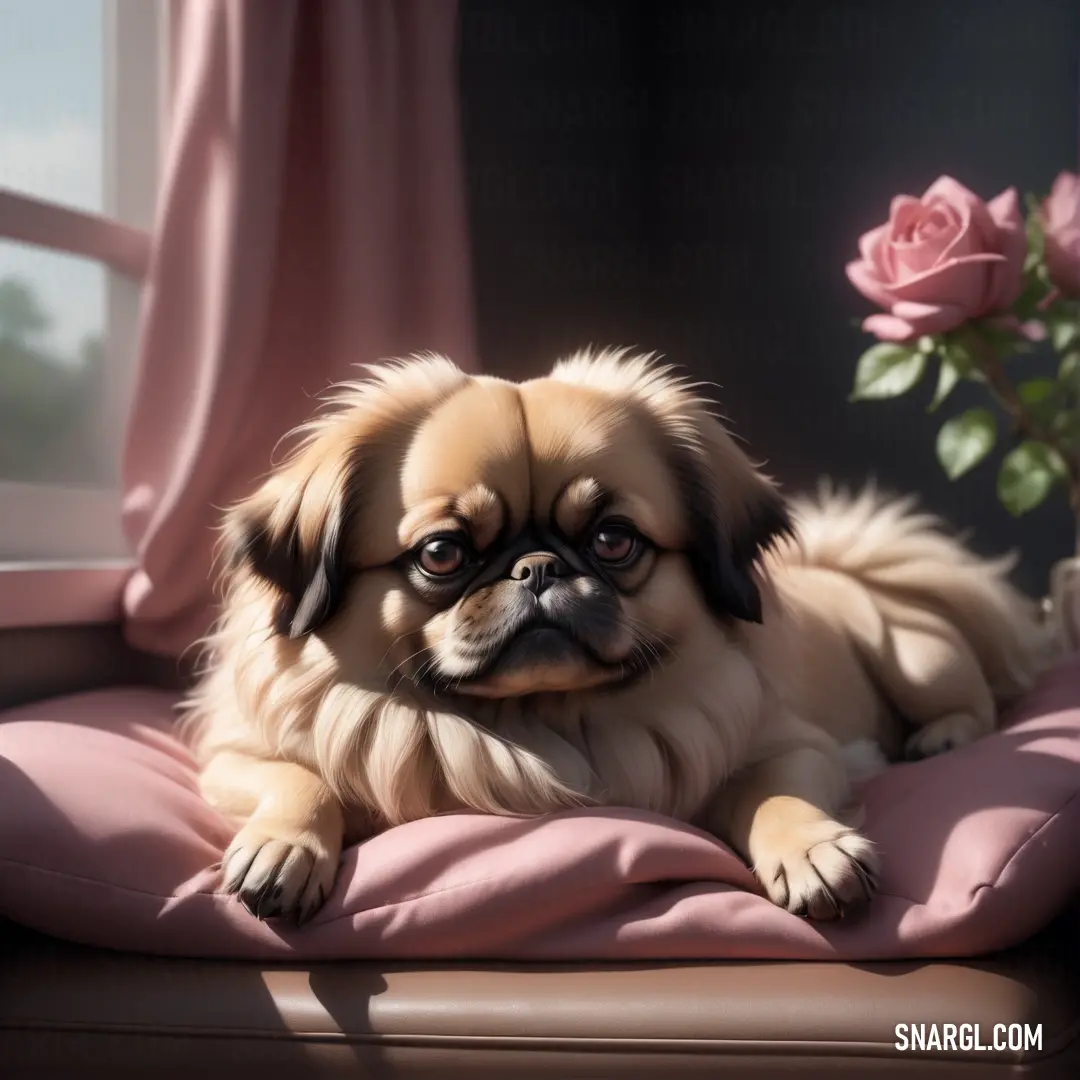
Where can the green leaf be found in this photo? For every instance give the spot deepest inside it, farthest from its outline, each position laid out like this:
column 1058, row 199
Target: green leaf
column 1069, row 371
column 1041, row 398
column 948, row 377
column 1035, row 253
column 1029, row 303
column 1036, row 239
column 1027, row 475
column 1066, row 425
column 1064, row 333
column 1035, row 391
column 956, row 349
column 886, row 370
column 1002, row 342
column 965, row 440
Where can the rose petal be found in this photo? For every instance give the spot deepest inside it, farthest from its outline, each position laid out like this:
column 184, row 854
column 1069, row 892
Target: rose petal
column 906, row 213
column 869, row 242
column 955, row 194
column 862, row 276
column 916, row 250
column 959, row 283
column 1069, row 238
column 1061, row 222
column 889, row 328
column 1062, row 255
column 902, row 209
column 966, row 240
column 1061, row 208
column 1005, row 210
column 930, row 318
column 899, row 203
column 870, row 247
column 972, row 207
column 1006, row 281
column 952, row 191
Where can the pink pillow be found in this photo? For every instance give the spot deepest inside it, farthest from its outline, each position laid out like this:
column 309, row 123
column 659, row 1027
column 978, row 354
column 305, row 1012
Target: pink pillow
column 105, row 840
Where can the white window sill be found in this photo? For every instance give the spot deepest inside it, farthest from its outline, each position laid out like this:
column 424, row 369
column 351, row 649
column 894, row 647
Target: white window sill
column 61, row 593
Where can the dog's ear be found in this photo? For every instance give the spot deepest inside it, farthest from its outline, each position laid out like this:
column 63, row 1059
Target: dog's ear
column 724, row 558
column 291, row 535
column 734, row 515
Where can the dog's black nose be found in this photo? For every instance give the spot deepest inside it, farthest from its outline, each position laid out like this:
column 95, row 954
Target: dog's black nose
column 538, row 571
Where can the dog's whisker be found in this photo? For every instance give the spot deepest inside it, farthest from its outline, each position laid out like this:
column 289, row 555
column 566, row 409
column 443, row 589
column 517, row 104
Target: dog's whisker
column 651, row 632
column 419, row 652
column 393, row 645
column 645, row 647
column 426, row 667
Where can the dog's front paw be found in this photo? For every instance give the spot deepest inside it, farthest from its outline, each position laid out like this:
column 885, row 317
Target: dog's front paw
column 277, row 873
column 818, row 869
column 945, row 733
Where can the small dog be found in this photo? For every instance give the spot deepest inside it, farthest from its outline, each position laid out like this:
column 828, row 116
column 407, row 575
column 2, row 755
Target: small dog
column 463, row 593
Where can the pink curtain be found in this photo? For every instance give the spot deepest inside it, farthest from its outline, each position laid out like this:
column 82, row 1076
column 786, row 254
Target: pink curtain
column 312, row 217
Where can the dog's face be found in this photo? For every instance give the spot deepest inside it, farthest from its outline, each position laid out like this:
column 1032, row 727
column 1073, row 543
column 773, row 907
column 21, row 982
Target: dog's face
column 482, row 538
column 540, row 536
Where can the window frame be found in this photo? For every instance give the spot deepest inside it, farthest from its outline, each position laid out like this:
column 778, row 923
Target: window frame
column 39, row 521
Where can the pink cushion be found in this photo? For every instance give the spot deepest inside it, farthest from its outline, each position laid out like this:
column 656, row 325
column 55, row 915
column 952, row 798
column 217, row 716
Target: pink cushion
column 105, row 840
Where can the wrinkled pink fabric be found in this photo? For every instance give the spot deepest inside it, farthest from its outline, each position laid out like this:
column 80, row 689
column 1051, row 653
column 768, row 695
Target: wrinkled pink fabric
column 1061, row 225
column 105, row 840
column 940, row 260
column 311, row 218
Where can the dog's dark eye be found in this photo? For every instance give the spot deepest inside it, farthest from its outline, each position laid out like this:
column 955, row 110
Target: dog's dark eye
column 441, row 557
column 614, row 544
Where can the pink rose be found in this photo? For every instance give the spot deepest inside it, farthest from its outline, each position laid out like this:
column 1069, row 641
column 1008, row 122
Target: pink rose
column 941, row 260
column 1061, row 223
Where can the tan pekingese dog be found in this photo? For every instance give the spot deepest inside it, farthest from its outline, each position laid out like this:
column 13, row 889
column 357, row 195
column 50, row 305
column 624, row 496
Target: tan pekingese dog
column 465, row 593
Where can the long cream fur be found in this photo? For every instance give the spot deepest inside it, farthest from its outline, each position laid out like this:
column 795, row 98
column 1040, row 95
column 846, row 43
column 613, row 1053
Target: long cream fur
column 863, row 577
column 889, row 546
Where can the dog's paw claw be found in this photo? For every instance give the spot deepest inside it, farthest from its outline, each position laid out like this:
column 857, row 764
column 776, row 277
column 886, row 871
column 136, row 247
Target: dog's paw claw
column 278, row 878
column 824, row 872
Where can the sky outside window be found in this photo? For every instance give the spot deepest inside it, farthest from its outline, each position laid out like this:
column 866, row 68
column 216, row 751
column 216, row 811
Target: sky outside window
column 51, row 147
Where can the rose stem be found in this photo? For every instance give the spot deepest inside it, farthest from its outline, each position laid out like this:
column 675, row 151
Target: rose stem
column 1024, row 423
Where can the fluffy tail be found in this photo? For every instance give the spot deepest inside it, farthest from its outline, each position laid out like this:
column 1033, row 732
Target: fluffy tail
column 889, row 546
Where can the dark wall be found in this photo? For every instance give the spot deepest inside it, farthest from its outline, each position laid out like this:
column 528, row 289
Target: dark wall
column 692, row 177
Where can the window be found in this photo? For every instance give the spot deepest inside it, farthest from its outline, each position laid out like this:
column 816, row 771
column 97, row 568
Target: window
column 80, row 130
